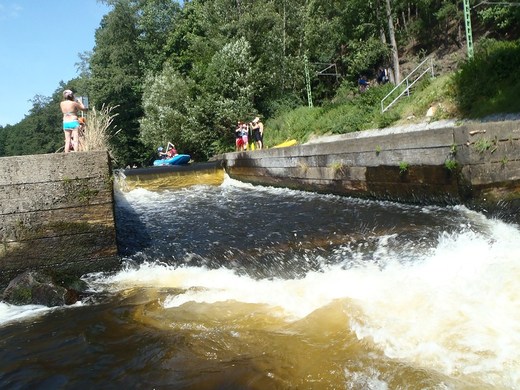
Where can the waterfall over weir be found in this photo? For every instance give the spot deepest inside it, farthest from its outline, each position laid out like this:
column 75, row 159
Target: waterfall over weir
column 234, row 286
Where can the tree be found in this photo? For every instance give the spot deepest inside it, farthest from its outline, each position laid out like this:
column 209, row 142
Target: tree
column 223, row 97
column 39, row 132
column 155, row 21
column 3, row 136
column 230, row 83
column 393, row 42
column 117, row 77
column 166, row 98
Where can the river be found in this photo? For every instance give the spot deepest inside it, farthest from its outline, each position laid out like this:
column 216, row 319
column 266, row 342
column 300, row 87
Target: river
column 241, row 287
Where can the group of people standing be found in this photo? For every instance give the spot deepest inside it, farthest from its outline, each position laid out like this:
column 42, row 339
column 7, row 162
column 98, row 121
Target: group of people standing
column 253, row 131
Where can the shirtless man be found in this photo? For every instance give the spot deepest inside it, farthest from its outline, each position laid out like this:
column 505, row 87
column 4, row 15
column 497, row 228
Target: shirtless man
column 70, row 107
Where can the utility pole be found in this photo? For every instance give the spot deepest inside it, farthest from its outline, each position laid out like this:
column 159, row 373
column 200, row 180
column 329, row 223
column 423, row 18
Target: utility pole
column 469, row 33
column 308, row 81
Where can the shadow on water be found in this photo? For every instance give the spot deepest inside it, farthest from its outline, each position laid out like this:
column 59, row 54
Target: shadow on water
column 129, row 224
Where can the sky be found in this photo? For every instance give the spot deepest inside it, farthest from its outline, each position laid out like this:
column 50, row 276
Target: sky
column 40, row 43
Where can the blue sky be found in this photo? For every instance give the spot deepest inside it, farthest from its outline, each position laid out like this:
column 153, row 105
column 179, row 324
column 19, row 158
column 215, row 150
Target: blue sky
column 40, row 42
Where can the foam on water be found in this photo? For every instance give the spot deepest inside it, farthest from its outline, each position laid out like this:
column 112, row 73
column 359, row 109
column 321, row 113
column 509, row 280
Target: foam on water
column 456, row 310
column 10, row 313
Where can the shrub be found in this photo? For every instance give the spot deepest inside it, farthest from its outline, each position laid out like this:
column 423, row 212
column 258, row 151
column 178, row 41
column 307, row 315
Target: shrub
column 490, row 82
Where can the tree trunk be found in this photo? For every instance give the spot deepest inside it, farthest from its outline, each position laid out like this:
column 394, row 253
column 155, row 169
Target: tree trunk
column 391, row 33
column 382, row 34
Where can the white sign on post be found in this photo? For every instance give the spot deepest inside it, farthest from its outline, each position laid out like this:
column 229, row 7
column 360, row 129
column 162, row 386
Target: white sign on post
column 84, row 100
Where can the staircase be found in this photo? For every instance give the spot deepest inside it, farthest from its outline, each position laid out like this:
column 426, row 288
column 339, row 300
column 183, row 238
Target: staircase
column 405, row 86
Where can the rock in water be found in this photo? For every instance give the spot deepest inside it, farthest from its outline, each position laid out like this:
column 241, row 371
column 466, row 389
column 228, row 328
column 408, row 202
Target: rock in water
column 36, row 288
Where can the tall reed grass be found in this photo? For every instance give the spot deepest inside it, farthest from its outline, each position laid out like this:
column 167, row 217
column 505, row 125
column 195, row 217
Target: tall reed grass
column 97, row 132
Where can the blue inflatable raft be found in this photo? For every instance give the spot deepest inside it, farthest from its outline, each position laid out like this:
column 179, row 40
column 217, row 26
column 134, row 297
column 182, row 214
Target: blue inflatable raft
column 180, row 159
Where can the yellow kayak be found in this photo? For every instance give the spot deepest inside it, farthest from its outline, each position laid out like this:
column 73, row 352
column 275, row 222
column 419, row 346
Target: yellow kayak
column 290, row 142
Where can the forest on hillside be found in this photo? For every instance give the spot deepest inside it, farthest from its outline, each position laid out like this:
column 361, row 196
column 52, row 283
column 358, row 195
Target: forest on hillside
column 187, row 71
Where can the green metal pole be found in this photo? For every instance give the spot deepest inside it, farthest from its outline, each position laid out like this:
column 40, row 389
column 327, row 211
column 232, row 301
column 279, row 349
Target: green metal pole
column 308, row 81
column 469, row 34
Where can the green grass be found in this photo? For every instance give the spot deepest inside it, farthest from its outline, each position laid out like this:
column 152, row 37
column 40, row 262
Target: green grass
column 403, row 167
column 356, row 112
column 482, row 145
column 450, row 164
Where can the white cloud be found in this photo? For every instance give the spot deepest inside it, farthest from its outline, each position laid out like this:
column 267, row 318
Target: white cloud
column 10, row 11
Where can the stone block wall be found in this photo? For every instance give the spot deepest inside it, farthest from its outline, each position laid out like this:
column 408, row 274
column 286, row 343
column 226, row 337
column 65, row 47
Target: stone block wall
column 489, row 156
column 56, row 213
column 475, row 164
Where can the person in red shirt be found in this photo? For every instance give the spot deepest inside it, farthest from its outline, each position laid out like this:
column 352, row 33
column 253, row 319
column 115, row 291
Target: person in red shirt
column 171, row 151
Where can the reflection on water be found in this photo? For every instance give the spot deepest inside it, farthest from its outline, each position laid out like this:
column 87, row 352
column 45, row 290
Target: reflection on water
column 253, row 288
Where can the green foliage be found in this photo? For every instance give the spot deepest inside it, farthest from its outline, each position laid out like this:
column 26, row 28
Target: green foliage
column 403, row 167
column 117, row 77
column 490, row 82
column 283, row 104
column 349, row 112
column 439, row 92
column 500, row 18
column 187, row 71
column 230, row 73
column 483, row 144
column 339, row 168
column 226, row 94
column 155, row 18
column 453, row 149
column 166, row 101
column 365, row 57
column 386, row 119
column 39, row 132
column 295, row 124
column 450, row 164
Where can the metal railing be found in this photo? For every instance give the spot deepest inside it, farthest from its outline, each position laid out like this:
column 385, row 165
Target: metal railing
column 408, row 82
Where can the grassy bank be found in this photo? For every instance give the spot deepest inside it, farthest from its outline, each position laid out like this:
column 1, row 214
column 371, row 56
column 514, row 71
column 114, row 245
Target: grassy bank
column 488, row 84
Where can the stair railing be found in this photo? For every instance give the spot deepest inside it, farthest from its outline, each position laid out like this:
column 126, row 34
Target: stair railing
column 408, row 82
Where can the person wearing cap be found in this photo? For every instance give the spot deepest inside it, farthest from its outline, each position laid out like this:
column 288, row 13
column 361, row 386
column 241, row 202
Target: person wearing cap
column 161, row 153
column 258, row 133
column 170, row 151
column 70, row 107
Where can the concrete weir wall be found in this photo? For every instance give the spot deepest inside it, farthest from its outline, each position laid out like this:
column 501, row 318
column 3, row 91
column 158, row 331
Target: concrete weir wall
column 474, row 164
column 56, row 213
column 57, row 210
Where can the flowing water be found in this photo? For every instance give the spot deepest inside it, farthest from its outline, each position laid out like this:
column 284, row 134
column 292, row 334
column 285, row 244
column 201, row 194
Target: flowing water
column 241, row 287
